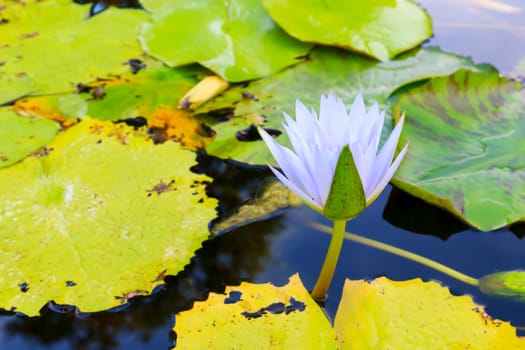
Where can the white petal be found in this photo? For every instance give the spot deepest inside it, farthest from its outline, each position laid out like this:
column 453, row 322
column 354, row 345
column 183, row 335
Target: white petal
column 387, row 176
column 287, row 160
column 295, row 189
column 305, row 120
column 357, row 113
column 385, row 156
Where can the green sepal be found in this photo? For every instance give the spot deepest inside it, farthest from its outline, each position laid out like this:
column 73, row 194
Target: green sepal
column 504, row 284
column 347, row 197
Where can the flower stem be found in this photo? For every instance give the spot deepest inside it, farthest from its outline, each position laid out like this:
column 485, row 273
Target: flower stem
column 407, row 255
column 330, row 261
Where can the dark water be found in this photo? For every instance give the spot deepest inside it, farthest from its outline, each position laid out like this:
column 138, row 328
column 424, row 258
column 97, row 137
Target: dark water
column 273, row 250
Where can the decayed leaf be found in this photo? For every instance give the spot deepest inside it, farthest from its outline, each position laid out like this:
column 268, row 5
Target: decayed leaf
column 466, row 135
column 235, row 39
column 63, row 109
column 97, row 219
column 377, row 28
column 21, row 136
column 57, row 60
column 385, row 314
column 180, row 126
column 256, row 316
column 343, row 73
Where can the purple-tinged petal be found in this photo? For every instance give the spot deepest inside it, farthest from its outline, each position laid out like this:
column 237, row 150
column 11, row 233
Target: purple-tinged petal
column 387, row 176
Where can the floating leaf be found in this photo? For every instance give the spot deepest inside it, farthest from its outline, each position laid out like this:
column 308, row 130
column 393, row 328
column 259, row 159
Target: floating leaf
column 64, row 109
column 141, row 94
column 385, row 314
column 377, row 28
column 57, row 61
column 21, row 136
column 509, row 284
column 256, row 316
column 235, row 39
column 32, row 18
column 127, row 95
column 106, row 213
column 466, row 154
column 343, row 73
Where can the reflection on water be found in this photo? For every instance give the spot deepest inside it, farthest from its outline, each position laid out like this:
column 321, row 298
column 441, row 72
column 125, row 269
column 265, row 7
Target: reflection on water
column 490, row 34
column 271, row 251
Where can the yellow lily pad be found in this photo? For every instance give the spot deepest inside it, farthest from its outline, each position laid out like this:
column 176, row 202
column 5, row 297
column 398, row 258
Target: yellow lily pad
column 256, row 316
column 385, row 314
column 100, row 216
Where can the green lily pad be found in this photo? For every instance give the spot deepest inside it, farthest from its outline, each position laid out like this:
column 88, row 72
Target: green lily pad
column 377, row 28
column 235, row 39
column 385, row 314
column 344, row 73
column 56, row 61
column 108, row 214
column 32, row 18
column 256, row 316
column 467, row 147
column 507, row 284
column 130, row 95
column 21, row 136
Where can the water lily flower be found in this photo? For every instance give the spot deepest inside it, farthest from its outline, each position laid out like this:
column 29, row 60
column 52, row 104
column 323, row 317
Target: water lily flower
column 317, row 144
column 336, row 165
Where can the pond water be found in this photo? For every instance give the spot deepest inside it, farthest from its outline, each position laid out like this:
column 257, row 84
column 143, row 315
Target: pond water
column 272, row 250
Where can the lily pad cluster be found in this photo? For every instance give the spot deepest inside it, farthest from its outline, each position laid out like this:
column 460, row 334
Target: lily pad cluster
column 98, row 140
column 376, row 314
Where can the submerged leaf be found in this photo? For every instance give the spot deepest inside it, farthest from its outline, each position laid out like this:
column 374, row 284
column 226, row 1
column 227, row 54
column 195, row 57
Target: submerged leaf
column 377, row 28
column 256, row 316
column 385, row 314
column 467, row 148
column 272, row 197
column 104, row 209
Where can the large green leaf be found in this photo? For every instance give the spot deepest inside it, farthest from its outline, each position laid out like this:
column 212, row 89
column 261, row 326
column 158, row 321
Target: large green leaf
column 377, row 28
column 20, row 136
column 235, row 39
column 467, row 148
column 342, row 72
column 103, row 216
column 385, row 314
column 256, row 316
column 57, row 61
